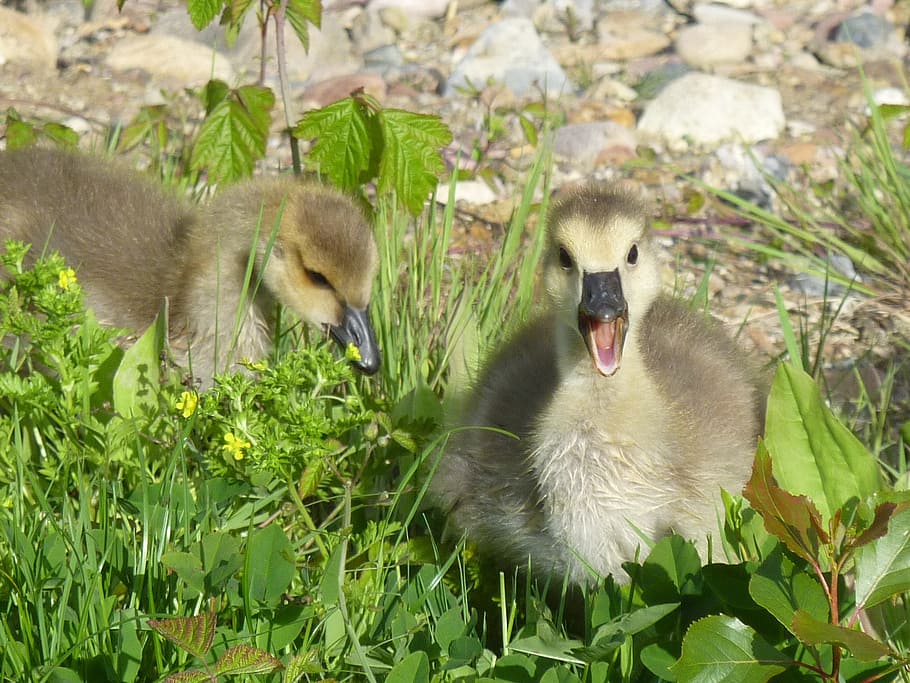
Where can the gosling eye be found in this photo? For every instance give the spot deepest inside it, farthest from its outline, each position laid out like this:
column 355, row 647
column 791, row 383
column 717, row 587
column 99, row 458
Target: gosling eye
column 318, row 279
column 632, row 257
column 565, row 260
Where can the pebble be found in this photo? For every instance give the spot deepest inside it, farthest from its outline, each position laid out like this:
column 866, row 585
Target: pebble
column 865, row 29
column 712, row 13
column 707, row 45
column 706, row 110
column 509, row 51
column 474, row 192
column 427, row 9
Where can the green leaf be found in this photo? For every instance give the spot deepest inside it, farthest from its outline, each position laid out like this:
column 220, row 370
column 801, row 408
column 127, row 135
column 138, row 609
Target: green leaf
column 658, row 660
column 193, row 634
column 61, row 135
column 720, row 649
column 610, row 636
column 203, row 12
column 811, row 631
column 20, row 134
column 301, row 665
column 883, row 566
column 301, row 12
column 814, row 454
column 793, row 519
column 234, row 133
column 243, row 659
column 271, row 566
column 671, row 570
column 343, row 146
column 547, row 643
column 221, row 558
column 782, row 589
column 415, row 668
column 411, row 162
column 136, row 381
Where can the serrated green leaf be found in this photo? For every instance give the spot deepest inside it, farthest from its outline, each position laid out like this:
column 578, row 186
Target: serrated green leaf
column 883, row 566
column 136, row 382
column 61, row 135
column 203, row 12
column 271, row 565
column 670, row 570
column 214, row 93
column 811, row 631
column 722, row 649
column 244, row 659
column 411, row 163
column 415, row 668
column 234, row 133
column 782, row 589
column 793, row 519
column 814, row 454
column 193, row 634
column 611, row 635
column 299, row 14
column 343, row 145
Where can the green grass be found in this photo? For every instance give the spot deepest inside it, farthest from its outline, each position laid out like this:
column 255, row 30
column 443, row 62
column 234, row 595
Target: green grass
column 283, row 513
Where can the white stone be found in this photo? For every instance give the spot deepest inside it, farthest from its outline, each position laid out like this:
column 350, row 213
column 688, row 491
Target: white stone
column 173, row 60
column 474, row 192
column 510, row 52
column 706, row 45
column 708, row 110
column 583, row 143
column 711, row 13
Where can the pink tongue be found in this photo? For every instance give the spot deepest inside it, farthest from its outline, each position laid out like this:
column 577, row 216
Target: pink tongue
column 604, row 336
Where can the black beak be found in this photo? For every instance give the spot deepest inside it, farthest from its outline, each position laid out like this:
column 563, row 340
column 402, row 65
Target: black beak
column 356, row 338
column 603, row 318
column 601, row 296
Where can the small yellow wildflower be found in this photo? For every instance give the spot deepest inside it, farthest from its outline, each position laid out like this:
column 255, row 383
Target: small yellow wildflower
column 352, row 353
column 187, row 403
column 257, row 366
column 66, row 279
column 235, row 446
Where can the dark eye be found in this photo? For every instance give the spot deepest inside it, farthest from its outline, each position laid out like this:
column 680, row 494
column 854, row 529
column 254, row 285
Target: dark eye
column 564, row 259
column 318, row 279
column 632, row 258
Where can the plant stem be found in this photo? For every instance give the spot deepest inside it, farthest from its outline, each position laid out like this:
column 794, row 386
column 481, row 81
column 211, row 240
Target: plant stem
column 281, row 56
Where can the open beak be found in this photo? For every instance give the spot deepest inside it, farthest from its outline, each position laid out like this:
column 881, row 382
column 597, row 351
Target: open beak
column 603, row 319
column 355, row 336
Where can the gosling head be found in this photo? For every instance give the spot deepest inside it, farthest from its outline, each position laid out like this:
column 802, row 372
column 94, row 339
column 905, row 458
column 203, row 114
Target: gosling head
column 322, row 266
column 600, row 271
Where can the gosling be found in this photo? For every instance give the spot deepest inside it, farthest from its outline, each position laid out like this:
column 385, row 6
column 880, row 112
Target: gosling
column 631, row 411
column 138, row 249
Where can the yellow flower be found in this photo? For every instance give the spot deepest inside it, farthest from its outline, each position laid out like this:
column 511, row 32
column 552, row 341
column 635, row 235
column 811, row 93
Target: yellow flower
column 187, row 403
column 352, row 353
column 235, row 446
column 66, row 279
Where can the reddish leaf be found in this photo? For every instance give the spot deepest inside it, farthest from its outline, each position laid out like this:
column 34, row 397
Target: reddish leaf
column 811, row 631
column 244, row 659
column 879, row 527
column 793, row 519
column 192, row 676
column 193, row 634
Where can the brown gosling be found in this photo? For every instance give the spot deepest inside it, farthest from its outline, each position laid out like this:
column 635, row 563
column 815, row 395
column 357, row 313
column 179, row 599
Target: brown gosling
column 631, row 411
column 137, row 247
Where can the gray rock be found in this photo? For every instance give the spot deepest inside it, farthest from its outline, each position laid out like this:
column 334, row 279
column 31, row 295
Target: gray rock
column 706, row 110
column 510, row 52
column 866, row 30
column 707, row 45
column 583, row 143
